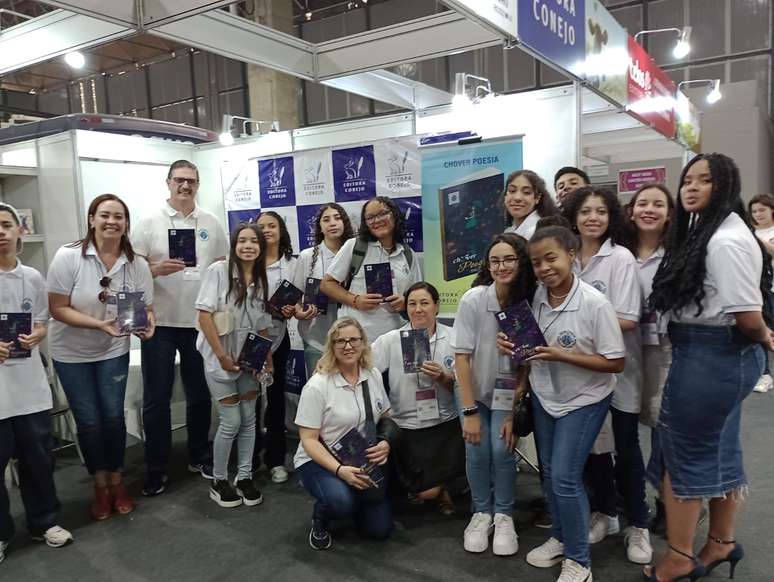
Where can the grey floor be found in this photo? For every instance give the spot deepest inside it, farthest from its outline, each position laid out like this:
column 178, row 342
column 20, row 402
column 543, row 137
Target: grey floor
column 182, row 535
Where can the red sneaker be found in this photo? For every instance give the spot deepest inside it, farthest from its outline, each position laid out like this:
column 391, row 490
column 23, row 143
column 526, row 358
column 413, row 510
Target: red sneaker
column 122, row 501
column 102, row 506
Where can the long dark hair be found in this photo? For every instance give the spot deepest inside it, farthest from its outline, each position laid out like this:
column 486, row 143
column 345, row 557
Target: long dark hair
column 764, row 199
column 524, row 285
column 237, row 285
column 285, row 246
column 125, row 246
column 398, row 235
column 318, row 233
column 680, row 277
column 629, row 211
column 545, row 205
column 618, row 231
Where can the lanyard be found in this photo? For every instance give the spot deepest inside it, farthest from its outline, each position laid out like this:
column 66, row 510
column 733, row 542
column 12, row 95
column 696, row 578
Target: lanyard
column 104, row 274
column 562, row 310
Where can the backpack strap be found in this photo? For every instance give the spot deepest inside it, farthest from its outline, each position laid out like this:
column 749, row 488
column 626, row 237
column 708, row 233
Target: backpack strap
column 358, row 256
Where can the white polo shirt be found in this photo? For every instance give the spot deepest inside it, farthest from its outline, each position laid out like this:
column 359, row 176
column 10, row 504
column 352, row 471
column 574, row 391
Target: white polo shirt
column 329, row 403
column 24, row 386
column 315, row 331
column 403, row 387
column 646, row 271
column 382, row 319
column 527, row 227
column 475, row 333
column 732, row 281
column 250, row 316
column 584, row 323
column 78, row 277
column 175, row 294
column 613, row 271
column 277, row 272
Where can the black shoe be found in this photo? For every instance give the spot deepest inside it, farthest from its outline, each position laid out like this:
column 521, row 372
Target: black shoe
column 249, row 493
column 319, row 537
column 204, row 469
column 155, row 483
column 224, row 495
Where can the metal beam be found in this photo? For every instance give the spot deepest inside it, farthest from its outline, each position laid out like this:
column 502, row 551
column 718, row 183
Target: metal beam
column 122, row 12
column 391, row 88
column 415, row 40
column 159, row 12
column 52, row 35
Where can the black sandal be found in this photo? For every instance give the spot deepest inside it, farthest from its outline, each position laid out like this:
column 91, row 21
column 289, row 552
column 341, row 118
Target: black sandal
column 698, row 570
column 732, row 558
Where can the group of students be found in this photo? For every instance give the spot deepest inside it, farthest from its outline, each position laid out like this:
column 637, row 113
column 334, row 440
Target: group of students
column 612, row 289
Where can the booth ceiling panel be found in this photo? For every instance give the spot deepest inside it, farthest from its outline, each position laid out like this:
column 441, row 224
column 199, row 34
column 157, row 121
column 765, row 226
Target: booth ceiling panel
column 412, row 41
column 158, row 12
column 391, row 88
column 600, row 122
column 117, row 11
column 635, row 152
column 621, row 136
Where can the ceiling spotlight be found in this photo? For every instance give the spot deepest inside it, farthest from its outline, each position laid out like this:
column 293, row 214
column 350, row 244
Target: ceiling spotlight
column 683, row 46
column 226, row 138
column 75, row 59
column 308, row 15
column 715, row 95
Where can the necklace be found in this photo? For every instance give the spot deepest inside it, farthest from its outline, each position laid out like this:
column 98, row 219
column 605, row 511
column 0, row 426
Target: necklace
column 558, row 296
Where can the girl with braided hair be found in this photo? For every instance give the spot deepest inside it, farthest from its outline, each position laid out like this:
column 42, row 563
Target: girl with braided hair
column 711, row 282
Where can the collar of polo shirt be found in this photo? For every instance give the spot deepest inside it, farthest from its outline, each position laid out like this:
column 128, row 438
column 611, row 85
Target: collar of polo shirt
column 574, row 303
column 172, row 212
column 15, row 272
column 340, row 382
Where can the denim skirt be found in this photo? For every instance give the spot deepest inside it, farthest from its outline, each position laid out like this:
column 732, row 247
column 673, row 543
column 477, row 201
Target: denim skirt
column 697, row 436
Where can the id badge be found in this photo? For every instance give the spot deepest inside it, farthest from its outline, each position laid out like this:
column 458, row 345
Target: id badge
column 649, row 329
column 427, row 404
column 505, row 364
column 504, row 394
column 192, row 274
column 111, row 307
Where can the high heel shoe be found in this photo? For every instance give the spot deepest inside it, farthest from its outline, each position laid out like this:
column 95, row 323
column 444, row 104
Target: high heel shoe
column 698, row 569
column 732, row 558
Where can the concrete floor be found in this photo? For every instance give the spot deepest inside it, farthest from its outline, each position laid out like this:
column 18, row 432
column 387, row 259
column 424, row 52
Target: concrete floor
column 182, row 535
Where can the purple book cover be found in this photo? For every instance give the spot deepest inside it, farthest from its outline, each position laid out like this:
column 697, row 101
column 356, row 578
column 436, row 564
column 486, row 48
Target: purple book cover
column 132, row 315
column 12, row 325
column 182, row 245
column 313, row 296
column 378, row 279
column 415, row 347
column 350, row 450
column 286, row 294
column 254, row 352
column 518, row 323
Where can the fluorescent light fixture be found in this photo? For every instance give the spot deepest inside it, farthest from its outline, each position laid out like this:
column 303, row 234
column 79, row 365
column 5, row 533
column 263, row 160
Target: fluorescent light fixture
column 75, row 59
column 683, row 46
column 226, row 139
column 715, row 95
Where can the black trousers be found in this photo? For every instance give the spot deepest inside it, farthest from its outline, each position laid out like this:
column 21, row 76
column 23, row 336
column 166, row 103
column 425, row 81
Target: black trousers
column 273, row 444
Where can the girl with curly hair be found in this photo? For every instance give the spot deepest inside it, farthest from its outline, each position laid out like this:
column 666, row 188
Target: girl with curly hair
column 526, row 200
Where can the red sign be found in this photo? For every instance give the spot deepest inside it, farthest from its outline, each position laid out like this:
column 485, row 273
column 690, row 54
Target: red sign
column 651, row 92
column 631, row 180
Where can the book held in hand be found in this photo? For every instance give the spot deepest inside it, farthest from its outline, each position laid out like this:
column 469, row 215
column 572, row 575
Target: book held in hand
column 132, row 313
column 518, row 323
column 313, row 296
column 286, row 294
column 12, row 325
column 350, row 450
column 415, row 346
column 378, row 279
column 254, row 352
column 182, row 245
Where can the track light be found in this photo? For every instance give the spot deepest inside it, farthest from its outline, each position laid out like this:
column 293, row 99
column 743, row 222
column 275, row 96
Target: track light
column 713, row 96
column 75, row 59
column 226, row 136
column 683, row 45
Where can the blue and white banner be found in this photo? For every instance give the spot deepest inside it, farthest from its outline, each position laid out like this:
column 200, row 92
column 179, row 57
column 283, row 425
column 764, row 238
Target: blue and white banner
column 276, row 183
column 556, row 30
column 354, row 173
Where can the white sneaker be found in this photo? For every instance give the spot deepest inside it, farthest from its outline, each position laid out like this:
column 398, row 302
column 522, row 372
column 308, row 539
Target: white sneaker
column 278, row 474
column 602, row 525
column 3, row 545
column 765, row 383
column 545, row 556
column 476, row 537
column 55, row 537
column 638, row 548
column 505, row 541
column 572, row 571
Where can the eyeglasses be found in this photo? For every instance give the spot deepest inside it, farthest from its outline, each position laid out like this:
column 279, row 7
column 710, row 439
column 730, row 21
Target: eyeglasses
column 508, row 263
column 105, row 283
column 378, row 216
column 190, row 181
column 354, row 342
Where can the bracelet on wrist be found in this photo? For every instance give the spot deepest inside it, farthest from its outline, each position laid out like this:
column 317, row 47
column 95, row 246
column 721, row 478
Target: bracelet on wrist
column 354, row 301
column 337, row 469
column 469, row 410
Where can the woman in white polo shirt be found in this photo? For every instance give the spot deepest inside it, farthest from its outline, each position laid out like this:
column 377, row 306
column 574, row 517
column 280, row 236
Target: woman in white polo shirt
column 526, row 200
column 91, row 356
column 712, row 281
column 431, row 451
column 572, row 380
column 25, row 396
column 380, row 240
column 761, row 211
column 231, row 304
column 333, row 403
column 607, row 265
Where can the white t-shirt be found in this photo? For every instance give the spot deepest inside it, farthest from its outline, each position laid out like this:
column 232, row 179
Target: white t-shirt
column 78, row 276
column 647, row 269
column 276, row 273
column 403, row 387
column 527, row 227
column 767, row 235
column 613, row 271
column 250, row 316
column 732, row 281
column 382, row 319
column 329, row 403
column 584, row 323
column 475, row 333
column 24, row 387
column 315, row 331
column 176, row 293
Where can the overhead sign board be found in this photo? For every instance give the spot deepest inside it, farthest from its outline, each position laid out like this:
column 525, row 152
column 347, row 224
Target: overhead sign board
column 501, row 14
column 555, row 29
column 651, row 92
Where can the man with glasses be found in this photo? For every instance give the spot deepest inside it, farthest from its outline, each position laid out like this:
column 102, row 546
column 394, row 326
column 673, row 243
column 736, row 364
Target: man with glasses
column 198, row 240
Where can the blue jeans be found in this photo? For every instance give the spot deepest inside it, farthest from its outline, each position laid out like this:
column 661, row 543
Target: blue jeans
column 95, row 392
column 337, row 500
column 565, row 444
column 490, row 466
column 158, row 377
column 28, row 438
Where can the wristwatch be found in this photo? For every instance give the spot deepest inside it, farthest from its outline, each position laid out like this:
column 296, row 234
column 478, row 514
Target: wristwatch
column 470, row 410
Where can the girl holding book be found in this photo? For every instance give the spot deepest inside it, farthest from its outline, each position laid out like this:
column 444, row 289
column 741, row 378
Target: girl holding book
column 332, row 228
column 504, row 279
column 230, row 305
column 526, row 200
column 430, row 451
column 606, row 264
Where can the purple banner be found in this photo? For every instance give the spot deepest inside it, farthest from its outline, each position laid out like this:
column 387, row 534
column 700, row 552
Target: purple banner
column 354, row 174
column 277, row 185
column 411, row 208
column 306, row 216
column 237, row 216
